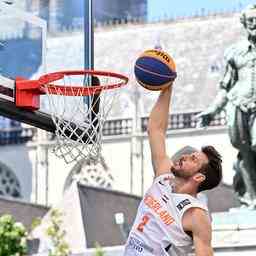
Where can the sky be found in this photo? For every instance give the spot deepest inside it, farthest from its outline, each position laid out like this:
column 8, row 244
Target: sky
column 173, row 8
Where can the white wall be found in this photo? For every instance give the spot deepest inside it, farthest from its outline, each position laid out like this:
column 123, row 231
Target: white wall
column 135, row 169
column 118, row 156
column 197, row 138
column 42, row 175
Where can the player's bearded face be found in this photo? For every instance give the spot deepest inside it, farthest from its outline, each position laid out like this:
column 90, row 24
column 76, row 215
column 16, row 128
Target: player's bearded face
column 179, row 170
column 189, row 164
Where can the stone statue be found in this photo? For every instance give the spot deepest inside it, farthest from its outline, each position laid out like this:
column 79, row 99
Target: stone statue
column 237, row 94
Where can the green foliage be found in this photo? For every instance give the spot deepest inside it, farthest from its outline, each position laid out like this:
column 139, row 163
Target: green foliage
column 57, row 235
column 98, row 250
column 35, row 223
column 12, row 237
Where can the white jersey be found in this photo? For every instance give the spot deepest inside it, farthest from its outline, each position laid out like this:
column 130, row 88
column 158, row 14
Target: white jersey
column 157, row 229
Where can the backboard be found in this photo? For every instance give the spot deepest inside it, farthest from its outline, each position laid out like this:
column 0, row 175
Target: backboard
column 22, row 53
column 75, row 103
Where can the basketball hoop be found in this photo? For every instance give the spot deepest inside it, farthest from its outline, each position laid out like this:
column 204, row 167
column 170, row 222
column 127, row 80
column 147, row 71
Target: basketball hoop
column 79, row 103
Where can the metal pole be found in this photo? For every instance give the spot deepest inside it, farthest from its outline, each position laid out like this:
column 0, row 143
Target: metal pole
column 88, row 35
column 88, row 46
column 47, row 175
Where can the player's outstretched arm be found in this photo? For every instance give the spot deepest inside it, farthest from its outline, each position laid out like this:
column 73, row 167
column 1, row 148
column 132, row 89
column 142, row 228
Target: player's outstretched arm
column 198, row 221
column 157, row 126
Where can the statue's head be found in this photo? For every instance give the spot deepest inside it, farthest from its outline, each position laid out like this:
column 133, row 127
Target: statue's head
column 248, row 19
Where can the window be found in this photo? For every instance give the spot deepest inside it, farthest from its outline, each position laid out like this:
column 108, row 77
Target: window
column 9, row 184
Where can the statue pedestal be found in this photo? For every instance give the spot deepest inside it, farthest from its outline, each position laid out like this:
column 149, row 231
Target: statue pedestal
column 234, row 230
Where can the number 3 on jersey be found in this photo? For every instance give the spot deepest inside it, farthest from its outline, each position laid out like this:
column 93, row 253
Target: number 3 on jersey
column 144, row 221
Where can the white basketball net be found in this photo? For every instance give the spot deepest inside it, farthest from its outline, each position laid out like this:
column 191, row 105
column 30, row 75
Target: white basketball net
column 80, row 119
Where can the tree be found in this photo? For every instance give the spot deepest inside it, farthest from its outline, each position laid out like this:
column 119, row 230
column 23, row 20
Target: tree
column 12, row 237
column 57, row 235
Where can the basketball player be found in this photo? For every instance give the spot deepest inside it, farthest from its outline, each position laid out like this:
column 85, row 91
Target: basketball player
column 170, row 218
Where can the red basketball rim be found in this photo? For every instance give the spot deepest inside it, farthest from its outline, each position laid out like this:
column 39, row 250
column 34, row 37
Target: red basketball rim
column 45, row 82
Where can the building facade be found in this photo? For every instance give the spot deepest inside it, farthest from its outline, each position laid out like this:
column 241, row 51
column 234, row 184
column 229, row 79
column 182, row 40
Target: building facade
column 47, row 176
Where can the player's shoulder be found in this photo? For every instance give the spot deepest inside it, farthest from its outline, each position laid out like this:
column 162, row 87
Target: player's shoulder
column 195, row 218
column 198, row 212
column 198, row 215
column 236, row 49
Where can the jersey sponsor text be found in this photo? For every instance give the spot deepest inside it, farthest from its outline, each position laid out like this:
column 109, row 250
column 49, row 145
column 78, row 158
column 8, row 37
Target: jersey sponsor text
column 155, row 205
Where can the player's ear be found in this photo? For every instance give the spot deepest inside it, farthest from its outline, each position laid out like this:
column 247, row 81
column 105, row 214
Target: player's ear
column 199, row 177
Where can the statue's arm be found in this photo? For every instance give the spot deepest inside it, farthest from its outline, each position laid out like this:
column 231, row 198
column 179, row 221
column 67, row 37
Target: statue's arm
column 218, row 103
column 228, row 80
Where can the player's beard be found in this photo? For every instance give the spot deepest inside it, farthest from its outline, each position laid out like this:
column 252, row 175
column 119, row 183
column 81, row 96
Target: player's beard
column 180, row 173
